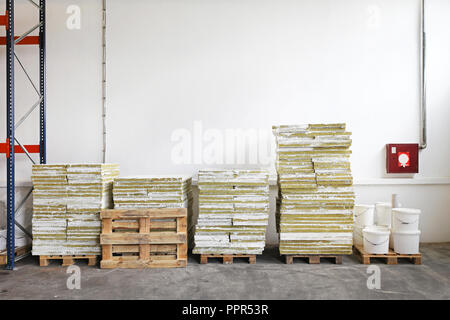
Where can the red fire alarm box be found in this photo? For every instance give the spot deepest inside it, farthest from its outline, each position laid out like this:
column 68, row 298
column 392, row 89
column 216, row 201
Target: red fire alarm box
column 402, row 158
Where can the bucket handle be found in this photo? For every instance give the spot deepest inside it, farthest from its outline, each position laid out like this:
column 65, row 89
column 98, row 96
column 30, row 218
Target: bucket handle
column 356, row 216
column 403, row 222
column 376, row 244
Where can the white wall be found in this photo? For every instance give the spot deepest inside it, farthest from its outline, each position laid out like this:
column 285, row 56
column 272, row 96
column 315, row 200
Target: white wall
column 249, row 64
column 73, row 84
column 253, row 64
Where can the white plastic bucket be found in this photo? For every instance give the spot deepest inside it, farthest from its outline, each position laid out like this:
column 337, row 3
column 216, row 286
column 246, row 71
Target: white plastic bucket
column 404, row 219
column 376, row 240
column 383, row 212
column 407, row 242
column 358, row 237
column 364, row 215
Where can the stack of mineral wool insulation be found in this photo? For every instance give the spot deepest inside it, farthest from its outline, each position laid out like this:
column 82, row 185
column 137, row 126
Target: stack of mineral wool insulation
column 89, row 191
column 162, row 191
column 3, row 234
column 49, row 209
column 233, row 212
column 316, row 197
column 67, row 200
column 21, row 239
column 168, row 191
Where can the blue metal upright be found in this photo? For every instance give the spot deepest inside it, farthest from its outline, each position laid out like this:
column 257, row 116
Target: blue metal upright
column 43, row 84
column 12, row 145
column 10, row 141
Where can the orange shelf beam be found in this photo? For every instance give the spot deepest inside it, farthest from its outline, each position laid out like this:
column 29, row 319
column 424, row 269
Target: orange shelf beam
column 30, row 40
column 4, row 148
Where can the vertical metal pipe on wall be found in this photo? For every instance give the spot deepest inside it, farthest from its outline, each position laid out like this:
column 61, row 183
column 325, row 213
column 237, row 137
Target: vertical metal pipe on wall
column 104, row 79
column 423, row 84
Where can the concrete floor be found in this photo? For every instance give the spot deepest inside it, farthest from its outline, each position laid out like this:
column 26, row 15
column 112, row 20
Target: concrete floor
column 269, row 278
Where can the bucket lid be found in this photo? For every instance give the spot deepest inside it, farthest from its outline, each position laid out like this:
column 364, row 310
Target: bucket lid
column 406, row 211
column 407, row 233
column 377, row 230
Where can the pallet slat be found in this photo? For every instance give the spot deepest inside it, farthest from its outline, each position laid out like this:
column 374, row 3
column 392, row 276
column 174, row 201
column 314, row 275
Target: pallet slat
column 132, row 225
column 148, row 238
column 140, row 264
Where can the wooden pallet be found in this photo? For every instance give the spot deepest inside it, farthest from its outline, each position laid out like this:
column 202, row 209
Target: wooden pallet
column 68, row 260
column 313, row 259
column 228, row 258
column 391, row 257
column 144, row 238
column 20, row 251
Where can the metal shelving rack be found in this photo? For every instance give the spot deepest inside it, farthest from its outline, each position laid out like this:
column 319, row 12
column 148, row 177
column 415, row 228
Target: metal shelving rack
column 12, row 145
